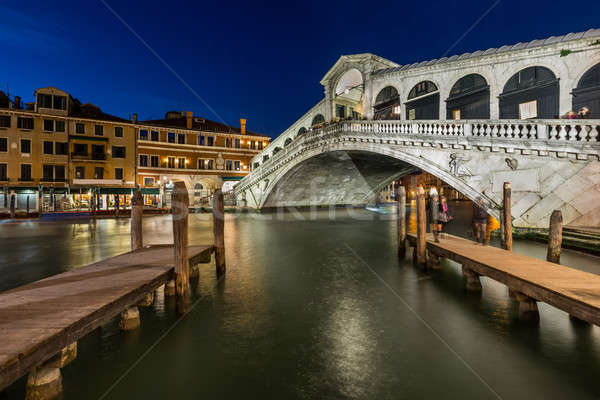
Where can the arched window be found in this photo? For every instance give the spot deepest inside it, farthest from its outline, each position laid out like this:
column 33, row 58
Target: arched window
column 423, row 101
column 587, row 93
column 318, row 119
column 287, row 142
column 301, row 131
column 387, row 104
column 469, row 98
column 530, row 93
column 276, row 150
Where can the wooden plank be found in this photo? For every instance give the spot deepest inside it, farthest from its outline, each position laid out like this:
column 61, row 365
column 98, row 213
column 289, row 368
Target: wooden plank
column 573, row 291
column 39, row 319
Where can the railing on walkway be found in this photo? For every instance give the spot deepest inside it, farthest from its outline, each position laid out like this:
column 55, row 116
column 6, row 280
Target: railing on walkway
column 524, row 132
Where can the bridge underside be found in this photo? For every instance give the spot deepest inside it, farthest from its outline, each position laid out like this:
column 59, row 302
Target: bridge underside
column 337, row 178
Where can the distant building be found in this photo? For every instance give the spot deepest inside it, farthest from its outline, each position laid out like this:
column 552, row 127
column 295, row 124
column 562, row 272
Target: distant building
column 59, row 154
column 202, row 153
column 56, row 151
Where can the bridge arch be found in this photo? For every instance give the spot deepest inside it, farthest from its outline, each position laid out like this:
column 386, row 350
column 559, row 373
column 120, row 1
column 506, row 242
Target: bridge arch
column 301, row 131
column 587, row 92
column 532, row 92
column 387, row 103
column 469, row 98
column 423, row 101
column 317, row 119
column 287, row 142
column 300, row 178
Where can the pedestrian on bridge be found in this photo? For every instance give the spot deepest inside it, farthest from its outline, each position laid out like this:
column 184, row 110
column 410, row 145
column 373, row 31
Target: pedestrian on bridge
column 480, row 219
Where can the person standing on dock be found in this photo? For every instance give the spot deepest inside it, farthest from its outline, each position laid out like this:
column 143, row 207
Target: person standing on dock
column 434, row 206
column 480, row 218
column 443, row 216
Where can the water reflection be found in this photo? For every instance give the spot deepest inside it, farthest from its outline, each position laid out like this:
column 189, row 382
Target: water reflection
column 299, row 316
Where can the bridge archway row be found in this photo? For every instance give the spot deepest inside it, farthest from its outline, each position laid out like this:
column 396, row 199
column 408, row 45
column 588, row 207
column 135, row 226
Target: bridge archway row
column 551, row 102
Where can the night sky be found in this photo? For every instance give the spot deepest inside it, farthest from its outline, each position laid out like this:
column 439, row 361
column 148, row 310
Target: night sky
column 258, row 60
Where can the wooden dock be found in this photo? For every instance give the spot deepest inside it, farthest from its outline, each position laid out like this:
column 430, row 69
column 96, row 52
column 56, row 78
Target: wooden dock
column 573, row 291
column 40, row 319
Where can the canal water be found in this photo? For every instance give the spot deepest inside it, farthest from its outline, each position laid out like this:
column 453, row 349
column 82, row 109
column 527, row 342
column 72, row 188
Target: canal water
column 313, row 306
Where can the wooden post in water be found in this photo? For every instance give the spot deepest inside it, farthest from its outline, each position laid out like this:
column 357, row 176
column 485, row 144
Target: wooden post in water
column 507, row 218
column 421, row 229
column 179, row 206
column 401, row 200
column 555, row 237
column 219, row 231
column 137, row 210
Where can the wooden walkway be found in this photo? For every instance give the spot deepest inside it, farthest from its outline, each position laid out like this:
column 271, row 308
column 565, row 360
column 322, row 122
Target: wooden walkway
column 573, row 291
column 38, row 320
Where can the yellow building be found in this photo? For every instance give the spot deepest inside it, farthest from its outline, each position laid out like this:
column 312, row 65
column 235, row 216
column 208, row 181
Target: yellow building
column 204, row 154
column 55, row 151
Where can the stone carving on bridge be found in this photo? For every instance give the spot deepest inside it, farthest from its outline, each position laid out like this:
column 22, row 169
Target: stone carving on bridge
column 512, row 163
column 457, row 167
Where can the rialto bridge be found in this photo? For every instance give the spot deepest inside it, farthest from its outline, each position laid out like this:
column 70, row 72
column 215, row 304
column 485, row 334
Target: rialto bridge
column 475, row 121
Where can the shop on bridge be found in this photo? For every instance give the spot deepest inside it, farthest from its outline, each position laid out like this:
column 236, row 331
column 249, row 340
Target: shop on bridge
column 587, row 93
column 423, row 102
column 469, row 99
column 387, row 104
column 530, row 93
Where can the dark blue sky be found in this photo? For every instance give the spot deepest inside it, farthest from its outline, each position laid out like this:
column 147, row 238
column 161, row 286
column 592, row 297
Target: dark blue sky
column 253, row 59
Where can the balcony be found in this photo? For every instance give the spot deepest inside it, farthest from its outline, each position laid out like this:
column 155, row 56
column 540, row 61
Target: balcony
column 88, row 156
column 49, row 179
column 26, row 179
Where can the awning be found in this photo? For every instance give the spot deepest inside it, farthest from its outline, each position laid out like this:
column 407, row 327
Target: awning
column 232, row 178
column 115, row 190
column 150, row 191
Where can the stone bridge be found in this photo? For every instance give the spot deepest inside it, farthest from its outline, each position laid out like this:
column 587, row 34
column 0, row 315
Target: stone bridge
column 551, row 164
column 474, row 120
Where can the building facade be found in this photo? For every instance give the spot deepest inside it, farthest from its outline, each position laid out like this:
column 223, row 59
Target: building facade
column 58, row 154
column 204, row 154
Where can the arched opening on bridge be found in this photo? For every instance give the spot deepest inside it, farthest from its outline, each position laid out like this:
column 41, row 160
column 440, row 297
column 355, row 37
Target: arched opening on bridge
column 301, row 131
column 287, row 142
column 587, row 92
column 423, row 102
column 276, row 150
column 317, row 120
column 530, row 93
column 348, row 95
column 469, row 98
column 387, row 104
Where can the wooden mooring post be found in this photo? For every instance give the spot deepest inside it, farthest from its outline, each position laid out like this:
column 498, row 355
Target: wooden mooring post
column 507, row 217
column 179, row 206
column 137, row 211
column 554, row 237
column 219, row 231
column 421, row 247
column 401, row 200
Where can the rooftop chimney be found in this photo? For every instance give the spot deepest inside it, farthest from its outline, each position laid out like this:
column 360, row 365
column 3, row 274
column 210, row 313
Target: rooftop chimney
column 134, row 118
column 17, row 105
column 189, row 119
column 242, row 126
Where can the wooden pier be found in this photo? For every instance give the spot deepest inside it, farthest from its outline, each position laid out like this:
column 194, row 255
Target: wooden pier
column 573, row 291
column 41, row 322
column 38, row 320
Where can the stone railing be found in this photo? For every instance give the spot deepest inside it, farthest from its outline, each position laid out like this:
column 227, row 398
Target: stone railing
column 579, row 137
